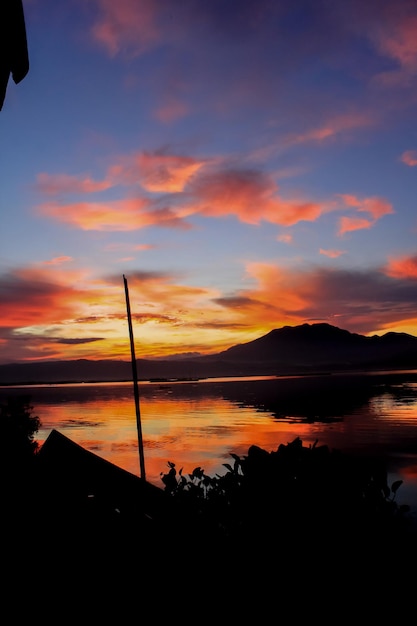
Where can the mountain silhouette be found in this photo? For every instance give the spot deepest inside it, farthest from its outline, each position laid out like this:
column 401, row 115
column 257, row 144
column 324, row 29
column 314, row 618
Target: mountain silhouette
column 304, row 349
column 316, row 344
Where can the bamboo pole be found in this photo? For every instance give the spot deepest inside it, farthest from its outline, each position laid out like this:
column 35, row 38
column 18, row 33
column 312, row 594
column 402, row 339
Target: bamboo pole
column 135, row 383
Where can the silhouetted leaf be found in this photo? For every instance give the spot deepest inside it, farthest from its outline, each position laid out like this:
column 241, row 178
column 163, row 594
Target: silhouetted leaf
column 396, row 485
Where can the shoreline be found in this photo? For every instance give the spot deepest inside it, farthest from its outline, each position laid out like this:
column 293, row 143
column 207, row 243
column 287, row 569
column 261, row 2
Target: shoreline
column 411, row 372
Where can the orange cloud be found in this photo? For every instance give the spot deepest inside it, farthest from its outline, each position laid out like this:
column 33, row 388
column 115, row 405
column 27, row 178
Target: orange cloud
column 251, row 196
column 360, row 301
column 119, row 215
column 349, row 224
column 276, row 299
column 126, row 247
column 376, row 207
column 332, row 254
column 55, row 313
column 409, row 158
column 33, row 294
column 166, row 173
column 335, row 126
column 54, row 184
column 156, row 172
column 144, row 246
column 402, row 267
column 58, row 260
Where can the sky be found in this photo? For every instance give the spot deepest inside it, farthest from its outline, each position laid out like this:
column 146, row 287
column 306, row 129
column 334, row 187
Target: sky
column 245, row 164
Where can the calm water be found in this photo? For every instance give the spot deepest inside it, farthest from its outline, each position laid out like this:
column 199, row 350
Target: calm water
column 201, row 423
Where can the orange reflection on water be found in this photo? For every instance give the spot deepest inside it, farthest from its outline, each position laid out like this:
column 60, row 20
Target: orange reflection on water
column 189, row 432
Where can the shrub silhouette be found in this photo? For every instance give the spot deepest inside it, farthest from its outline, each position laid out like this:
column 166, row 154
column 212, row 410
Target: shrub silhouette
column 18, row 426
column 294, row 490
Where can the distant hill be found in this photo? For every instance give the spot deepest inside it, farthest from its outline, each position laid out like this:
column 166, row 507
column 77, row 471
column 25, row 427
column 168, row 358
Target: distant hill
column 307, row 348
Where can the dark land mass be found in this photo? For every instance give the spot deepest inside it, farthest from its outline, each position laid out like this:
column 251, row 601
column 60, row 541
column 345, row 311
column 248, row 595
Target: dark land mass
column 90, row 539
column 109, row 543
column 304, row 349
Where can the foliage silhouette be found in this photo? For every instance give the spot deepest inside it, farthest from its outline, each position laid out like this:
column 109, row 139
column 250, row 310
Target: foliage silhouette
column 18, row 426
column 18, row 458
column 292, row 490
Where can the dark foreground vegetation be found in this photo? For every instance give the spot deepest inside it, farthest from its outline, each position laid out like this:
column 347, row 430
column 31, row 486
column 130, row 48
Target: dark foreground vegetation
column 305, row 518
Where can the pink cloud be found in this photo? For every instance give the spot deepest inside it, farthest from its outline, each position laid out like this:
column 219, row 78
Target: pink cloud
column 285, row 238
column 334, row 126
column 170, row 111
column 349, row 224
column 402, row 267
column 144, row 246
column 119, row 215
column 58, row 260
column 376, row 207
column 54, row 184
column 332, row 254
column 127, row 25
column 251, row 196
column 126, row 247
column 156, row 172
column 409, row 158
column 396, row 38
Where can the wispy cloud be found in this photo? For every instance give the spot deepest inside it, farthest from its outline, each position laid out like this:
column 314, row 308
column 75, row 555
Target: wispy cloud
column 118, row 215
column 59, row 260
column 409, row 158
column 57, row 184
column 171, row 110
column 396, row 38
column 158, row 172
column 336, row 125
column 127, row 26
column 128, row 247
column 332, row 254
column 285, row 238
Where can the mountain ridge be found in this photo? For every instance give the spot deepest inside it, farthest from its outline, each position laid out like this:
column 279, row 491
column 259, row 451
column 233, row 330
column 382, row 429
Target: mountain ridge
column 306, row 348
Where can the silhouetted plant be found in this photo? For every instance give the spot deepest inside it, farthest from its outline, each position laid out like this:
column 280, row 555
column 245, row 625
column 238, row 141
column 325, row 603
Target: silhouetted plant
column 293, row 489
column 18, row 456
column 18, row 427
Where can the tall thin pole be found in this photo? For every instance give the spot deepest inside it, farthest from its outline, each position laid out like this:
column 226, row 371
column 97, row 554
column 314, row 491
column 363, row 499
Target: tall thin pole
column 135, row 382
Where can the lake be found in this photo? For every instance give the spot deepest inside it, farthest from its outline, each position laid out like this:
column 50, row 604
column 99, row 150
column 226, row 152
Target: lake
column 201, row 423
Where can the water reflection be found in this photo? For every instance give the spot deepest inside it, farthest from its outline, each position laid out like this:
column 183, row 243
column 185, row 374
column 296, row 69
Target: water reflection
column 202, row 423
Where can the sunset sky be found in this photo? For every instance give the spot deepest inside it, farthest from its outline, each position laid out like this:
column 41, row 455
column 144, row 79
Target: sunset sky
column 246, row 164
